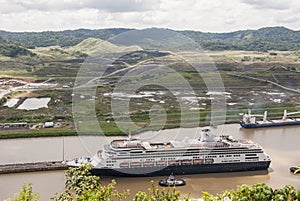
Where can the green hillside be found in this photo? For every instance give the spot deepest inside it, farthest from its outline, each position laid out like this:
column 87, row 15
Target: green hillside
column 65, row 38
column 91, row 45
column 264, row 39
column 11, row 49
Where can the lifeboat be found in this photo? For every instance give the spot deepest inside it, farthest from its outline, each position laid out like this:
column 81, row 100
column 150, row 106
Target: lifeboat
column 124, row 165
column 198, row 161
column 148, row 163
column 161, row 163
column 186, row 162
column 174, row 162
column 135, row 164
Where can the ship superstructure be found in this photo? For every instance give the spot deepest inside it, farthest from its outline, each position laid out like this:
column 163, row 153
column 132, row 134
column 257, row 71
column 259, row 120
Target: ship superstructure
column 209, row 153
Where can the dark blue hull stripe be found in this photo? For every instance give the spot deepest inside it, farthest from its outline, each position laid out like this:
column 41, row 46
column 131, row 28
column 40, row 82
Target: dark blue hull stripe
column 186, row 169
column 269, row 124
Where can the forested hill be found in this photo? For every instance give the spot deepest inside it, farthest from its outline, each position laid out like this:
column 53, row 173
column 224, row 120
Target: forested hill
column 264, row 39
column 65, row 38
column 12, row 49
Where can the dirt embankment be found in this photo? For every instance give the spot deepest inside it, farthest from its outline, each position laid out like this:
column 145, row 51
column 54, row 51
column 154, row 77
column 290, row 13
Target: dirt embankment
column 26, row 94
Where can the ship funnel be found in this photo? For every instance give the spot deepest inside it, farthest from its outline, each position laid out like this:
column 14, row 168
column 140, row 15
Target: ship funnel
column 207, row 136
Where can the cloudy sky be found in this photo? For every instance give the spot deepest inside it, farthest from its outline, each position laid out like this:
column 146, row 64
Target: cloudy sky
column 202, row 15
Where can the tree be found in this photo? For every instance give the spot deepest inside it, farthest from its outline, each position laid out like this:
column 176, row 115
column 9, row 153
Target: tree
column 26, row 194
column 155, row 194
column 81, row 185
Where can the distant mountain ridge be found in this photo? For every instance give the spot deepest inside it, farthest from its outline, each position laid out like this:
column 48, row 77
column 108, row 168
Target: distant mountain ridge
column 64, row 38
column 263, row 39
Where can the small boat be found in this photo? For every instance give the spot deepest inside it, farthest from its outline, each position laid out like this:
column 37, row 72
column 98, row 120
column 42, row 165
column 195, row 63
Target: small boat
column 295, row 169
column 171, row 181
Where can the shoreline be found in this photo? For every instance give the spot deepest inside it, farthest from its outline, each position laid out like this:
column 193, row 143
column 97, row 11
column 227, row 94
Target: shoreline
column 61, row 133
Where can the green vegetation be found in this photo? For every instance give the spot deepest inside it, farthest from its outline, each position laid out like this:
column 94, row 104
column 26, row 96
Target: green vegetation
column 233, row 67
column 81, row 185
column 90, row 45
column 59, row 109
column 26, row 194
column 264, row 39
column 65, row 38
column 12, row 49
column 257, row 192
column 154, row 193
column 37, row 133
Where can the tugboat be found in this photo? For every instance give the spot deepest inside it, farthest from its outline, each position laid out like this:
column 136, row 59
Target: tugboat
column 171, row 181
column 295, row 169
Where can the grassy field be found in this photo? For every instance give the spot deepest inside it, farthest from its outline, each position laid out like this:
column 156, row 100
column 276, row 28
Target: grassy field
column 172, row 96
column 36, row 133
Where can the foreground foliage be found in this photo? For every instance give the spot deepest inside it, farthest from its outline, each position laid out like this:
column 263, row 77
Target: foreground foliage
column 81, row 185
column 26, row 194
column 154, row 194
column 257, row 192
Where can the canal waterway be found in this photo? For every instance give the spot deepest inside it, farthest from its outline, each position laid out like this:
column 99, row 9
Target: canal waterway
column 281, row 143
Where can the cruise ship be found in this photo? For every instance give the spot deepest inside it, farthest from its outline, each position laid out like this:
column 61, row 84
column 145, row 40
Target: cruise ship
column 206, row 154
column 250, row 120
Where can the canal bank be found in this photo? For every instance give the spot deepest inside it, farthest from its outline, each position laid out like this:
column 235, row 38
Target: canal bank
column 32, row 167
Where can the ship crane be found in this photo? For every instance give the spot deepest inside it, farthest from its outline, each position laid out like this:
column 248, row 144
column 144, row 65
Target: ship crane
column 251, row 118
column 285, row 114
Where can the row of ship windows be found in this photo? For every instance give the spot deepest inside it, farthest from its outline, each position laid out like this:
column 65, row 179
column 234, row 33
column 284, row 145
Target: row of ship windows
column 150, row 159
column 191, row 154
column 113, row 161
column 222, row 156
column 186, row 151
column 237, row 154
column 229, row 155
column 173, row 156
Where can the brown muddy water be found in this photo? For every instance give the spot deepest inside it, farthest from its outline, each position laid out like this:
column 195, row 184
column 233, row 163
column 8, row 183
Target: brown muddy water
column 282, row 144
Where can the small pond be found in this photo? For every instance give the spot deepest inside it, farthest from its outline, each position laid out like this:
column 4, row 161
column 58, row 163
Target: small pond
column 11, row 102
column 34, row 103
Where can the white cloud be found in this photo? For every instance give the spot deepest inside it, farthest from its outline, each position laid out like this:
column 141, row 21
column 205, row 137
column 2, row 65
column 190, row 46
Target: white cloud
column 203, row 15
column 108, row 5
column 267, row 4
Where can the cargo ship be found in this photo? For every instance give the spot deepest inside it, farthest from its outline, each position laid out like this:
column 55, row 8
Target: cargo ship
column 249, row 120
column 206, row 154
